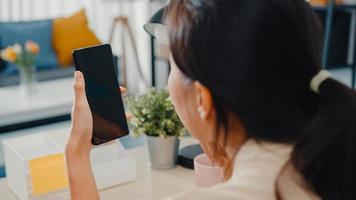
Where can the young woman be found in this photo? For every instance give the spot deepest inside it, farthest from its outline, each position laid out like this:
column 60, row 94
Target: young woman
column 247, row 82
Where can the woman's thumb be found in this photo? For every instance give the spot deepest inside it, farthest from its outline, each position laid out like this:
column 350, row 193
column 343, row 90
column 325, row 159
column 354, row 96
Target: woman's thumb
column 79, row 87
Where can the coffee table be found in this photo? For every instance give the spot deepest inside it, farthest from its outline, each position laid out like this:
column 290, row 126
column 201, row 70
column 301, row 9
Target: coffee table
column 53, row 99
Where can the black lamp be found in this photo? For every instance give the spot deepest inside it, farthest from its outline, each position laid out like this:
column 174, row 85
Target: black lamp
column 158, row 30
column 156, row 27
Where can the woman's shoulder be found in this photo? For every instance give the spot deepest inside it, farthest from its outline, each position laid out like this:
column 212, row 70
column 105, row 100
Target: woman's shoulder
column 273, row 161
column 292, row 186
column 256, row 168
column 257, row 152
column 273, row 170
column 259, row 173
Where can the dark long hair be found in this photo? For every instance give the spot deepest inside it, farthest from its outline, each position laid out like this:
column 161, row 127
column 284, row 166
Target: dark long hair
column 257, row 57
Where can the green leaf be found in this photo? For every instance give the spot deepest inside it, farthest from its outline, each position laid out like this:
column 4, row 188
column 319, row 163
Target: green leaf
column 154, row 115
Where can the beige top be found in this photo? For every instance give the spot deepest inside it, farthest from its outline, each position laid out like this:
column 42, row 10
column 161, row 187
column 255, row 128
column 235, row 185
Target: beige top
column 259, row 173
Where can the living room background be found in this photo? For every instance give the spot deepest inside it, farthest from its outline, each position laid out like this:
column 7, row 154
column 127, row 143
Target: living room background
column 100, row 15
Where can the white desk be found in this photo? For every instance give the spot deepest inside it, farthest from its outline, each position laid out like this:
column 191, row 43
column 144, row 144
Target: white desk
column 54, row 98
column 150, row 184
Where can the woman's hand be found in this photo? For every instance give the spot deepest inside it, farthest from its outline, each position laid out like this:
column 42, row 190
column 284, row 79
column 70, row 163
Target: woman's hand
column 79, row 143
column 81, row 178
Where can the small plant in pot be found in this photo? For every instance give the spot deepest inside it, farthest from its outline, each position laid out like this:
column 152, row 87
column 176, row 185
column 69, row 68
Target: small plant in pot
column 155, row 117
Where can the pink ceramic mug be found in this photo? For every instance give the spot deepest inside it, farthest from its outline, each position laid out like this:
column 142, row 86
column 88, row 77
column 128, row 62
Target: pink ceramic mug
column 206, row 173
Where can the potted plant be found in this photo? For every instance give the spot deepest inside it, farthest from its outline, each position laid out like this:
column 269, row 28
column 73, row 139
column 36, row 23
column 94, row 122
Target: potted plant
column 154, row 116
column 23, row 56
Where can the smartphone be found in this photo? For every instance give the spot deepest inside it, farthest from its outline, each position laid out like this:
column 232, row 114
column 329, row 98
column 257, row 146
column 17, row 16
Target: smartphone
column 103, row 92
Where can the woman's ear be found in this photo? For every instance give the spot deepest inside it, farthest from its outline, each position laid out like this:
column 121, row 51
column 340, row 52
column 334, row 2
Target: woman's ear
column 204, row 100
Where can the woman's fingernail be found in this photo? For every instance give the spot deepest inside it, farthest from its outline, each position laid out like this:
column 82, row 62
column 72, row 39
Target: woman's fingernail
column 77, row 75
column 123, row 90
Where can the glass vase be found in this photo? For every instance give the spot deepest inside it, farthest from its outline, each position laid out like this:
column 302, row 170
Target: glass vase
column 28, row 80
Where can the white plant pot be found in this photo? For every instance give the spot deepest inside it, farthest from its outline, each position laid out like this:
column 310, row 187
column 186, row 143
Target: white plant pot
column 162, row 152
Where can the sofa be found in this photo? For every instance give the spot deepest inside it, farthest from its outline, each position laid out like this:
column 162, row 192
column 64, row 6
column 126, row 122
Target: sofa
column 57, row 39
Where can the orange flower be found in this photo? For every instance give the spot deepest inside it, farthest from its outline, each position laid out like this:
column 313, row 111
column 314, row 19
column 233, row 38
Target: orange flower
column 9, row 54
column 32, row 47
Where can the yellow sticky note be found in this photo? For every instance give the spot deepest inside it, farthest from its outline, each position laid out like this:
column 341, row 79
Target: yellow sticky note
column 48, row 174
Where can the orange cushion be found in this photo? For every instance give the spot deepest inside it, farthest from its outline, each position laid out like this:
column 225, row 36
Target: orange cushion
column 70, row 33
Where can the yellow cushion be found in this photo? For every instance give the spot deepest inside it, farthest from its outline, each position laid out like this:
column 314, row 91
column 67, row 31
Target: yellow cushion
column 70, row 33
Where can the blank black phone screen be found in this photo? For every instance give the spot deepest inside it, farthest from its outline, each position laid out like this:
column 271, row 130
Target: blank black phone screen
column 103, row 92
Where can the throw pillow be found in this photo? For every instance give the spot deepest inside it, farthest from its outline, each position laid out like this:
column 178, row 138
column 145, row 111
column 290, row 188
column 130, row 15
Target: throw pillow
column 71, row 33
